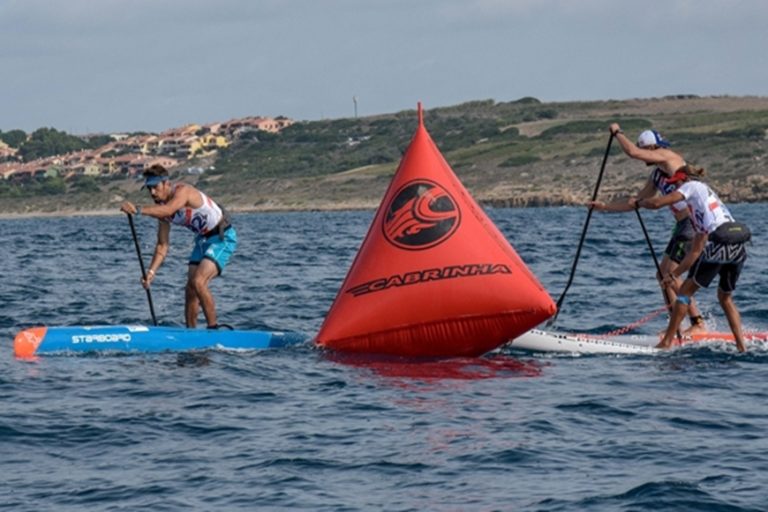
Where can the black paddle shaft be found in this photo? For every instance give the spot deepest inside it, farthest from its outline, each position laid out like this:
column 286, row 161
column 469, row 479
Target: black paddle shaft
column 141, row 264
column 667, row 300
column 583, row 233
column 650, row 245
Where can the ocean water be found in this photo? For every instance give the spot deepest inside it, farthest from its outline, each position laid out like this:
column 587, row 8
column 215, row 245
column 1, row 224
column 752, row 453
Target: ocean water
column 301, row 429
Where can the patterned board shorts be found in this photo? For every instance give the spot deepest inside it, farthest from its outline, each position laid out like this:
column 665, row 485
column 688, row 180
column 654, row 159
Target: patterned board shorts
column 725, row 260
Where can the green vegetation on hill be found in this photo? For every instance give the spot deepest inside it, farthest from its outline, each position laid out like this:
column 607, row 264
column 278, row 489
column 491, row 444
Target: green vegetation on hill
column 14, row 138
column 522, row 152
column 45, row 142
column 324, row 147
column 308, row 149
column 39, row 188
column 49, row 142
column 507, row 153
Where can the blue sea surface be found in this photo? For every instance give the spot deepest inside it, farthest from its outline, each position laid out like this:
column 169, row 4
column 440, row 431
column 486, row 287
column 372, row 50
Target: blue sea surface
column 302, row 429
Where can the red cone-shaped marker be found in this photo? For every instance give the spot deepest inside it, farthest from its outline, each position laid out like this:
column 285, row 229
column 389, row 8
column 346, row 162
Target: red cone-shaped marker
column 434, row 276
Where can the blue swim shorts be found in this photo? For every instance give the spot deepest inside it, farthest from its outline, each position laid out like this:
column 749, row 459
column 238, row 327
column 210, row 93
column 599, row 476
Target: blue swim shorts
column 216, row 248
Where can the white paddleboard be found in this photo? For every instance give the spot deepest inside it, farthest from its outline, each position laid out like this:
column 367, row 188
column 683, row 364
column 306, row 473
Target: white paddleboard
column 542, row 341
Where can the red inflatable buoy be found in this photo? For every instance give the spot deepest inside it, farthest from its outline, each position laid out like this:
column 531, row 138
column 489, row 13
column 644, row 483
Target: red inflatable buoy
column 434, row 277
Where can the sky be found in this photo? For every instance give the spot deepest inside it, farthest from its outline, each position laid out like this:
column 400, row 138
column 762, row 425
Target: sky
column 88, row 66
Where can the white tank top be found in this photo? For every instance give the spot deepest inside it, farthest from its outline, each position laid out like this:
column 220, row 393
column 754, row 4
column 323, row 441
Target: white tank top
column 706, row 210
column 200, row 221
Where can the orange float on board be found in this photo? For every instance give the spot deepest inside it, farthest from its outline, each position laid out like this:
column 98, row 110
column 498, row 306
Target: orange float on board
column 26, row 342
column 434, row 277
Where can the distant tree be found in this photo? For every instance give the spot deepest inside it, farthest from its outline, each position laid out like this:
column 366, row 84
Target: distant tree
column 14, row 138
column 549, row 113
column 265, row 136
column 98, row 140
column 48, row 142
column 52, row 186
column 250, row 135
column 527, row 100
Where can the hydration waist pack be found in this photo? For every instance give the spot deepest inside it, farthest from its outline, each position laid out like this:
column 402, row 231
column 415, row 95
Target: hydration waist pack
column 731, row 233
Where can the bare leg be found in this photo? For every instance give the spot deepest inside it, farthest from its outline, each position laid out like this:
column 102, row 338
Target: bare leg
column 667, row 266
column 191, row 303
column 733, row 316
column 199, row 281
column 679, row 310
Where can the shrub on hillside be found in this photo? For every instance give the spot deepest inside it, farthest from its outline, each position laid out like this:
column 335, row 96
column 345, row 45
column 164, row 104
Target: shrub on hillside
column 518, row 160
column 33, row 188
column 588, row 127
column 84, row 184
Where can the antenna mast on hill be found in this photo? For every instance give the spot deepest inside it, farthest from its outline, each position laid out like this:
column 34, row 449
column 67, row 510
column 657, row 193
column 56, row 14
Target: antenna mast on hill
column 354, row 100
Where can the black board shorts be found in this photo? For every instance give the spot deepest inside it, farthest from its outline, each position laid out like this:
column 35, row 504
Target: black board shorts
column 680, row 242
column 725, row 260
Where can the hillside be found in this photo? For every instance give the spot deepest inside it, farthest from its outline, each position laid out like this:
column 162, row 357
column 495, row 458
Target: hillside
column 518, row 153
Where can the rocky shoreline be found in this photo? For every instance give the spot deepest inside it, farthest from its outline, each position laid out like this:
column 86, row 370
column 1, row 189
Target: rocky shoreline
column 522, row 201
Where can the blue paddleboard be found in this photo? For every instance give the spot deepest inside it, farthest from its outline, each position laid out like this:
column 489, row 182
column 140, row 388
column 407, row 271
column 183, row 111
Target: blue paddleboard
column 141, row 338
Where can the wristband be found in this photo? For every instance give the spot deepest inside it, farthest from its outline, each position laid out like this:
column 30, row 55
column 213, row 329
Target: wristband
column 150, row 271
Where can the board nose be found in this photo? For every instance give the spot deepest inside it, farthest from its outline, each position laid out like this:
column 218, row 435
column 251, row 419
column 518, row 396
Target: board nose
column 26, row 342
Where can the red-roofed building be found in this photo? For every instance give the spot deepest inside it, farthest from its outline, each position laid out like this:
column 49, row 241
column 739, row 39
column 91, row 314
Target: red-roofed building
column 266, row 124
column 8, row 169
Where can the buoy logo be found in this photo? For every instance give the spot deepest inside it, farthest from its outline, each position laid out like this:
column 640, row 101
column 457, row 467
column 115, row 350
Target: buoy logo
column 421, row 215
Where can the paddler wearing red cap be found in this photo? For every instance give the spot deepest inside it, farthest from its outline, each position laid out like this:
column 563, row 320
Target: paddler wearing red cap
column 653, row 149
column 718, row 249
column 182, row 204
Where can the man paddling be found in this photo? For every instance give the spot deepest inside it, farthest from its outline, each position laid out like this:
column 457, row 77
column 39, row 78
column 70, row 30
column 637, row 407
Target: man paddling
column 719, row 248
column 653, row 149
column 215, row 241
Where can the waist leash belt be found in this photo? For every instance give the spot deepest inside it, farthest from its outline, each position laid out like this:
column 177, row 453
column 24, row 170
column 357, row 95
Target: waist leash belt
column 220, row 228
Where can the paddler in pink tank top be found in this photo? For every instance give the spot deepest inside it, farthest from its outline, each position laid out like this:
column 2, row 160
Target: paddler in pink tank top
column 653, row 149
column 182, row 204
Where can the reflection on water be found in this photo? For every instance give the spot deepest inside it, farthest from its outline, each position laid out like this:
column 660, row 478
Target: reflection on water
column 489, row 367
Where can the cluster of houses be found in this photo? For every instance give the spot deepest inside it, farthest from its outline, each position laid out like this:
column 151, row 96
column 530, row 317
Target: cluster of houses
column 129, row 155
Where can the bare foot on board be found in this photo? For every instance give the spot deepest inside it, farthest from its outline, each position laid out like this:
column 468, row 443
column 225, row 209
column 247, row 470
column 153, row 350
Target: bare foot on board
column 699, row 328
